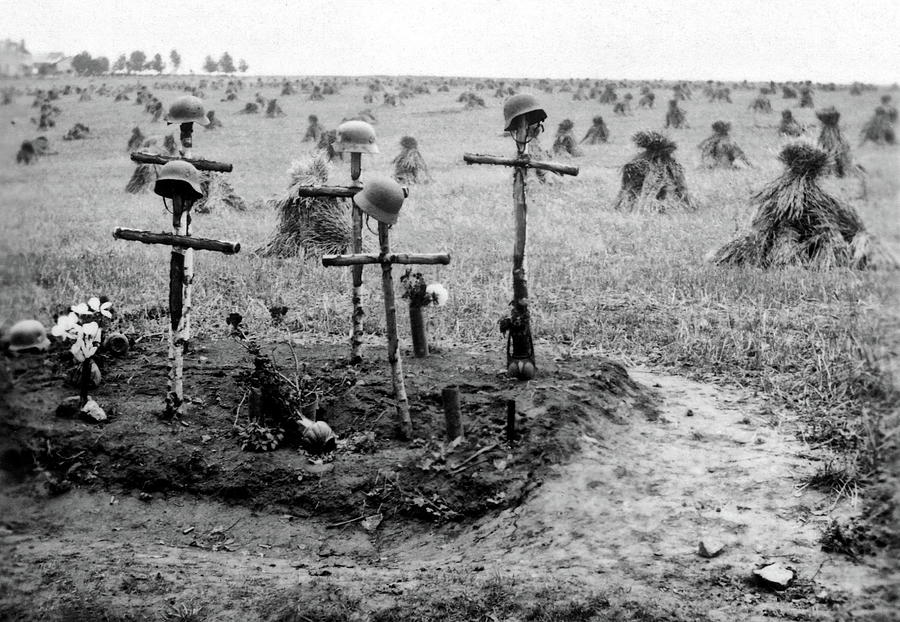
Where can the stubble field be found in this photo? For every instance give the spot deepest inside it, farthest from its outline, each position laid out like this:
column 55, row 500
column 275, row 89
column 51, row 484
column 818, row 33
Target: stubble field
column 816, row 351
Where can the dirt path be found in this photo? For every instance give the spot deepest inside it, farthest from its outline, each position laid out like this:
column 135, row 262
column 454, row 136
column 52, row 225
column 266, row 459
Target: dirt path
column 632, row 509
column 624, row 516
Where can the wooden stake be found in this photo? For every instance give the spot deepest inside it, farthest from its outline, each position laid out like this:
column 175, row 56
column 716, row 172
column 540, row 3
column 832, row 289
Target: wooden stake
column 417, row 329
column 452, row 418
column 520, row 329
column 187, row 144
column 179, row 309
column 520, row 359
column 356, row 334
column 390, row 314
column 84, row 381
column 386, row 260
column 510, row 420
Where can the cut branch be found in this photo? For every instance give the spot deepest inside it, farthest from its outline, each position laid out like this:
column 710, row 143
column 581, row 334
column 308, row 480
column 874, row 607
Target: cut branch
column 183, row 241
column 375, row 258
column 199, row 163
column 328, row 191
column 522, row 161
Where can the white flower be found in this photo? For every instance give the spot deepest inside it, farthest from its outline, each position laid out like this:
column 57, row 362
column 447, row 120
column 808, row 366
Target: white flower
column 81, row 309
column 438, row 293
column 83, row 350
column 91, row 332
column 103, row 309
column 66, row 326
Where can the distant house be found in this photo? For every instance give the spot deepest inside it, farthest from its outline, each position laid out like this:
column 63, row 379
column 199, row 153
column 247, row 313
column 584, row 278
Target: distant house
column 15, row 59
column 50, row 63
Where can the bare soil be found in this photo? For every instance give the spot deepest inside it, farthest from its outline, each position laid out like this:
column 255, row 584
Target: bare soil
column 614, row 480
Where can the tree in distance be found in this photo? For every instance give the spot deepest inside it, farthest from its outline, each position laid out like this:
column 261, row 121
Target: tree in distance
column 136, row 61
column 157, row 63
column 175, row 59
column 226, row 63
column 210, row 65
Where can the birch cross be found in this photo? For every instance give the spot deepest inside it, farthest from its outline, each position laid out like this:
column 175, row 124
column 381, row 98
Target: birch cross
column 179, row 290
column 179, row 181
column 346, row 192
column 387, row 259
column 355, row 138
column 524, row 118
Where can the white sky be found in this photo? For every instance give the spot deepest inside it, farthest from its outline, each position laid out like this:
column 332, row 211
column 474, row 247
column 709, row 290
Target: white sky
column 820, row 40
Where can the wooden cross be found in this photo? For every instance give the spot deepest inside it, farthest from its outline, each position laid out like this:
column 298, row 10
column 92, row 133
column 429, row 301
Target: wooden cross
column 181, row 264
column 345, row 192
column 520, row 361
column 387, row 260
column 179, row 292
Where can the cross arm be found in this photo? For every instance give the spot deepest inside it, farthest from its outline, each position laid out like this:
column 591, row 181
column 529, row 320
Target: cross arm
column 328, row 191
column 391, row 258
column 183, row 241
column 343, row 192
column 200, row 164
column 523, row 161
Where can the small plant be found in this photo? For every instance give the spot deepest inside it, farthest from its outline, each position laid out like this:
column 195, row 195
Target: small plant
column 184, row 613
column 84, row 325
column 420, row 295
column 255, row 436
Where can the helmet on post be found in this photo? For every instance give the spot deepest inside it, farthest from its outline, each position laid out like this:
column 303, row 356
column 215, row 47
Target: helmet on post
column 381, row 198
column 27, row 335
column 355, row 137
column 517, row 105
column 178, row 178
column 187, row 109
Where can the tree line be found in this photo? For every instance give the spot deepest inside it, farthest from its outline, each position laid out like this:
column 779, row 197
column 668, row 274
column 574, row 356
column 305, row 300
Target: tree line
column 85, row 65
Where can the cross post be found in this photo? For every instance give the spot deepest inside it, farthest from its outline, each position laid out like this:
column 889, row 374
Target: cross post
column 387, row 259
column 181, row 263
column 520, row 358
column 355, row 138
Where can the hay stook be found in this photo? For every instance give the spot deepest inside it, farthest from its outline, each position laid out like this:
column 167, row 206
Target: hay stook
column 653, row 180
column 136, row 140
column 761, row 104
column 565, row 142
column 273, row 110
column 309, row 226
column 217, row 193
column 326, row 145
column 214, row 121
column 79, row 131
column 799, row 224
column 720, row 150
column 409, row 165
column 597, row 133
column 879, row 129
column 789, row 126
column 832, row 141
column 675, row 116
column 314, row 130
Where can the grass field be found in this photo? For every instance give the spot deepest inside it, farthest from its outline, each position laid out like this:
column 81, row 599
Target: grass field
column 820, row 347
column 633, row 286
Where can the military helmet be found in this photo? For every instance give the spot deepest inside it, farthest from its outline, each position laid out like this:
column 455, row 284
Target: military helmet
column 517, row 105
column 187, row 109
column 355, row 137
column 28, row 335
column 381, row 198
column 178, row 178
